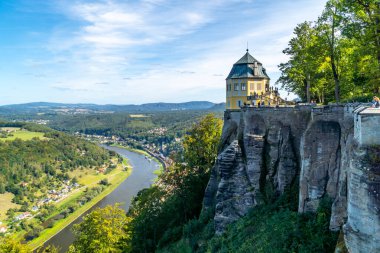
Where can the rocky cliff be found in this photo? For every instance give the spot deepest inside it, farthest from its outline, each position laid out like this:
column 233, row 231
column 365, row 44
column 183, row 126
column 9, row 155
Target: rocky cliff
column 328, row 151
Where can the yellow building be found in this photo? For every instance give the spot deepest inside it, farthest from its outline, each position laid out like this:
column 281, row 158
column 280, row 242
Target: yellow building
column 248, row 85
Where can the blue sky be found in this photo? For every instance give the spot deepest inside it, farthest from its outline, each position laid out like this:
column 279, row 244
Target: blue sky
column 123, row 52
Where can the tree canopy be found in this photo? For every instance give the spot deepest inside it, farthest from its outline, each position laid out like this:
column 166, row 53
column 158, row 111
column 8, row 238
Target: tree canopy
column 100, row 231
column 337, row 57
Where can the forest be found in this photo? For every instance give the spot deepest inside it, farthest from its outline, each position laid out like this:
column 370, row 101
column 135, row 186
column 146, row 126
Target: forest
column 156, row 128
column 38, row 171
column 335, row 58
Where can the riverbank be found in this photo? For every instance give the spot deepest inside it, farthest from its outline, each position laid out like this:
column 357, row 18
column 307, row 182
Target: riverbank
column 115, row 179
column 145, row 153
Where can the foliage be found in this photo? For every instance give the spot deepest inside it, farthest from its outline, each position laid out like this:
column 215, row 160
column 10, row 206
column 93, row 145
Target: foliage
column 158, row 213
column 275, row 227
column 48, row 249
column 336, row 57
column 136, row 131
column 201, row 143
column 36, row 172
column 9, row 245
column 101, row 231
column 37, row 161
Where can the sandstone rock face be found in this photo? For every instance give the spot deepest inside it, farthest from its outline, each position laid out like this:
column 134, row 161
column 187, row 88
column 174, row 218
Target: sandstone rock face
column 254, row 154
column 234, row 195
column 320, row 159
column 281, row 164
column 362, row 230
column 268, row 148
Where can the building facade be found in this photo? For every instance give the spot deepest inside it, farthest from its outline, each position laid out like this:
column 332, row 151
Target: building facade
column 249, row 85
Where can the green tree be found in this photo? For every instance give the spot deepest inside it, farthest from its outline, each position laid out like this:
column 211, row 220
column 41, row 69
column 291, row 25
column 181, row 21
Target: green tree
column 335, row 57
column 201, row 143
column 363, row 25
column 9, row 245
column 159, row 212
column 48, row 249
column 101, row 231
column 300, row 71
column 330, row 33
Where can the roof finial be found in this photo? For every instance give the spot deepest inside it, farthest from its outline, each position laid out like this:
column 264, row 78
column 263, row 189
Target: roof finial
column 247, row 47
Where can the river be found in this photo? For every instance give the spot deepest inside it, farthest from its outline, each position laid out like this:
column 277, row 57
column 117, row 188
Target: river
column 141, row 177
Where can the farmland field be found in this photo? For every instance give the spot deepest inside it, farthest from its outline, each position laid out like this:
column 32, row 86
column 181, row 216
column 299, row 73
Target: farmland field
column 5, row 204
column 14, row 133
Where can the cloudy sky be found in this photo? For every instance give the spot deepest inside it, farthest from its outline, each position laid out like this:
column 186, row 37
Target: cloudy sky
column 138, row 51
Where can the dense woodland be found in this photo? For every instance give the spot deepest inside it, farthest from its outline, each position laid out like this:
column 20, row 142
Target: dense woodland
column 337, row 57
column 32, row 169
column 42, row 162
column 135, row 130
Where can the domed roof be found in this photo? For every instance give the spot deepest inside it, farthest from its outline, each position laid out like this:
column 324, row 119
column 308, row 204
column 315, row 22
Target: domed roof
column 247, row 67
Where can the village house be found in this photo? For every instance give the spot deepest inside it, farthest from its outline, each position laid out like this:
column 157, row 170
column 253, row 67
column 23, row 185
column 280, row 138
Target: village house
column 101, row 170
column 23, row 216
column 24, row 184
column 3, row 229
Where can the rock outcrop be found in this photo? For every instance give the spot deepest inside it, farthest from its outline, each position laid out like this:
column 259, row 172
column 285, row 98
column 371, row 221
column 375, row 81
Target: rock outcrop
column 265, row 151
column 362, row 230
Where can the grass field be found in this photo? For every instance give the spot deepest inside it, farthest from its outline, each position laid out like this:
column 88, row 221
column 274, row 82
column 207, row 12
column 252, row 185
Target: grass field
column 88, row 178
column 5, row 204
column 142, row 152
column 10, row 129
column 21, row 134
column 138, row 116
column 115, row 178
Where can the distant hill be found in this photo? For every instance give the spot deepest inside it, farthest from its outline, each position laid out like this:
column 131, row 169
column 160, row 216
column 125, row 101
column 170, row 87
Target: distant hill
column 60, row 108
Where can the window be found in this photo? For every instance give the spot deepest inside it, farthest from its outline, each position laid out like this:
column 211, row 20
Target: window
column 243, row 86
column 229, row 86
column 236, row 86
column 229, row 104
column 238, row 103
column 252, row 86
column 259, row 86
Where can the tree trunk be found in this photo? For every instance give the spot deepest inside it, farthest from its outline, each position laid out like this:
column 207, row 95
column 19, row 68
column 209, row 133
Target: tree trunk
column 308, row 88
column 337, row 89
column 377, row 32
column 333, row 60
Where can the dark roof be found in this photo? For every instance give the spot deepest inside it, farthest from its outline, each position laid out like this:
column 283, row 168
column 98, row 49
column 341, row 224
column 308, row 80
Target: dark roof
column 244, row 68
column 247, row 58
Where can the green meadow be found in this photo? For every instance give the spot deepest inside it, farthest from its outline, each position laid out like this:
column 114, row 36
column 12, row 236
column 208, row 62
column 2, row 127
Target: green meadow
column 12, row 133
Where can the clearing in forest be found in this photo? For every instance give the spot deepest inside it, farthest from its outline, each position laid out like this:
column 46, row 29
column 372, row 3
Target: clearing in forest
column 12, row 133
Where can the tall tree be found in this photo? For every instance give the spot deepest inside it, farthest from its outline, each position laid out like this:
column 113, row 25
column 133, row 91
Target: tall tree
column 329, row 27
column 299, row 72
column 363, row 24
column 101, row 231
column 159, row 212
column 9, row 245
column 201, row 143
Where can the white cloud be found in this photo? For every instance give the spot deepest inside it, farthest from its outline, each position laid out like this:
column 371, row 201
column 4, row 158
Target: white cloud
column 120, row 44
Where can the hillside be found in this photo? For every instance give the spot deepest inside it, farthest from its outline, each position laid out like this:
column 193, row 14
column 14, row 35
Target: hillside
column 60, row 108
column 39, row 167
